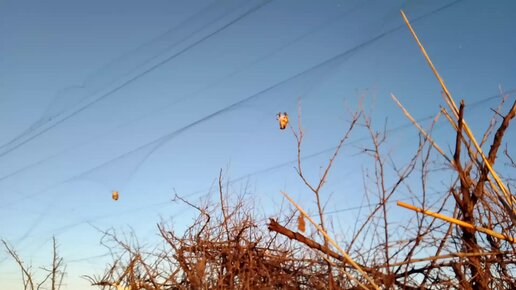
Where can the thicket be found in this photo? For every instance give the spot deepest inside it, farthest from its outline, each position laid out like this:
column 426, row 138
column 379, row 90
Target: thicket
column 463, row 240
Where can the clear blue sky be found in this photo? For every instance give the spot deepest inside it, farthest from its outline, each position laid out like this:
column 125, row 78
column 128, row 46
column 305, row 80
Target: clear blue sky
column 152, row 97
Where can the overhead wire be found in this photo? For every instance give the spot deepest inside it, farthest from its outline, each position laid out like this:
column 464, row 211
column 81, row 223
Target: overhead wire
column 329, row 149
column 136, row 77
column 233, row 106
column 341, row 56
column 160, row 140
column 132, row 79
column 164, row 107
column 232, row 181
column 164, row 139
column 395, row 129
column 228, row 9
column 403, row 126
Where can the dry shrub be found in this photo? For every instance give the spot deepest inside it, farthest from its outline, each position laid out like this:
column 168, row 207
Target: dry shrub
column 468, row 243
column 226, row 247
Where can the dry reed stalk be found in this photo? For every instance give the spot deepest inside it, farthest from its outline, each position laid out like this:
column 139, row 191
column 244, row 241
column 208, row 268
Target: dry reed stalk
column 453, row 106
column 331, row 241
column 457, row 222
column 427, row 136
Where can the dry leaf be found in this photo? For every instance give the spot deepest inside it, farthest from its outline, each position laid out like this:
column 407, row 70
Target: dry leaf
column 301, row 223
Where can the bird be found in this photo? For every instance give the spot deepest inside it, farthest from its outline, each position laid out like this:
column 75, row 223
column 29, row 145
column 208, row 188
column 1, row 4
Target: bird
column 283, row 120
column 114, row 195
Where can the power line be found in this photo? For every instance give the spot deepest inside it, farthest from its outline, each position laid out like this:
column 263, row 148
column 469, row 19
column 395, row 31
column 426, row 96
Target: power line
column 338, row 210
column 342, row 56
column 356, row 48
column 134, row 78
column 157, row 143
column 398, row 128
column 163, row 139
column 160, row 141
column 173, row 134
column 201, row 14
column 312, row 155
column 167, row 106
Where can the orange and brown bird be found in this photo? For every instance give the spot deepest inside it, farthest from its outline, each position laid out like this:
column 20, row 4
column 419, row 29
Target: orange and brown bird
column 283, row 120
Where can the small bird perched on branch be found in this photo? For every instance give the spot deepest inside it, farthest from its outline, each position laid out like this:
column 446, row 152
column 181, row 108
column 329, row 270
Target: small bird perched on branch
column 283, row 120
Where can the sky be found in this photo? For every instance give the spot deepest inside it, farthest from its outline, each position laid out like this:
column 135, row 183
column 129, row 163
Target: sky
column 153, row 98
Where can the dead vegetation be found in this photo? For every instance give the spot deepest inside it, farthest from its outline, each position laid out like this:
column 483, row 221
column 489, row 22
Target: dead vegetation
column 51, row 277
column 227, row 247
column 462, row 240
